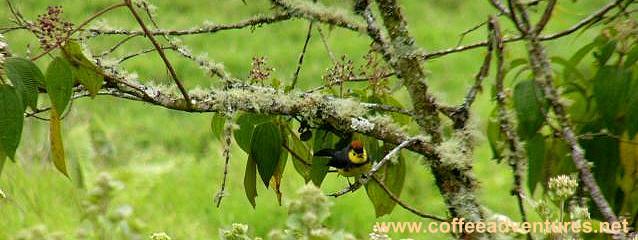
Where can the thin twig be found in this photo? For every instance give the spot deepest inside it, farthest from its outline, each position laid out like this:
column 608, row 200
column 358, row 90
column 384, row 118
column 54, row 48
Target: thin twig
column 160, row 51
column 250, row 22
column 325, row 45
column 367, row 176
column 301, row 56
column 404, row 205
column 228, row 127
column 136, row 54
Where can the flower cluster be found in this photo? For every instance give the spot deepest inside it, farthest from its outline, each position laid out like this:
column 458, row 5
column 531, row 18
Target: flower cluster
column 376, row 73
column 50, row 29
column 562, row 186
column 341, row 71
column 259, row 69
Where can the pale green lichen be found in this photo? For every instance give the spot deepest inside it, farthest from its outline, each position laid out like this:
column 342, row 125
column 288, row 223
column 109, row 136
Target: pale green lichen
column 319, row 11
column 453, row 152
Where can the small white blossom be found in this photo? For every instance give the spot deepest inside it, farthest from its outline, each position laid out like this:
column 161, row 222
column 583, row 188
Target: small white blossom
column 562, row 186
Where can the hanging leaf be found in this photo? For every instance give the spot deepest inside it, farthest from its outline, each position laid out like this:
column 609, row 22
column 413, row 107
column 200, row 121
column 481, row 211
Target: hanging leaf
column 319, row 169
column 217, row 123
column 610, row 92
column 84, row 71
column 247, row 122
column 265, row 149
column 494, row 136
column 529, row 106
column 26, row 77
column 605, row 51
column 250, row 181
column 301, row 156
column 535, row 149
column 393, row 177
column 604, row 153
column 628, row 156
column 632, row 57
column 11, row 120
column 275, row 181
column 59, row 83
column 57, row 148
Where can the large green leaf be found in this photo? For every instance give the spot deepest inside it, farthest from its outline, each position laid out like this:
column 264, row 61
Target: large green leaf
column 57, row 147
column 528, row 102
column 84, row 71
column 250, row 181
column 301, row 156
column 265, row 149
column 11, row 120
column 393, row 177
column 319, row 169
column 59, row 83
column 26, row 77
column 604, row 153
column 535, row 149
column 247, row 122
column 610, row 93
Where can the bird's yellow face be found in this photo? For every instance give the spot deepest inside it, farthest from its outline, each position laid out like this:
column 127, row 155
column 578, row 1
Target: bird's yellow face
column 356, row 157
column 357, row 153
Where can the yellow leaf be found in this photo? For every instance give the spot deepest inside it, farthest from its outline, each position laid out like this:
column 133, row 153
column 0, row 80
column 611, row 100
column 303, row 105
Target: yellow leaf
column 629, row 160
column 57, row 148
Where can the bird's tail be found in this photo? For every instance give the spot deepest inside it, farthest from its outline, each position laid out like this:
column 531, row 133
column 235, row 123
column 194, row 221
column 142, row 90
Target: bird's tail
column 324, row 153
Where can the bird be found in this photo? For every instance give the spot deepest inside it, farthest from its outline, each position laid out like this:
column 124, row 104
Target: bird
column 351, row 161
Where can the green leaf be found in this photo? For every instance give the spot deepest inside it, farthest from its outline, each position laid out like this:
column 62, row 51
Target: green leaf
column 265, row 149
column 605, row 52
column 535, row 149
column 84, row 71
column 610, row 92
column 393, row 177
column 494, row 135
column 57, row 147
column 217, row 123
column 632, row 116
column 247, row 122
column 604, row 153
column 59, row 83
column 632, row 57
column 11, row 120
column 26, row 77
column 582, row 52
column 319, row 169
column 275, row 181
column 250, row 181
column 528, row 102
column 301, row 157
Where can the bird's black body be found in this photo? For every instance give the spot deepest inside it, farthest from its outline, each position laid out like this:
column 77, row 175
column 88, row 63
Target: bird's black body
column 339, row 159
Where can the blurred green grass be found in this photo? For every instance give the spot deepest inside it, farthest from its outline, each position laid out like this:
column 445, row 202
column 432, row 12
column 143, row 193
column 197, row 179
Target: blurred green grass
column 171, row 165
